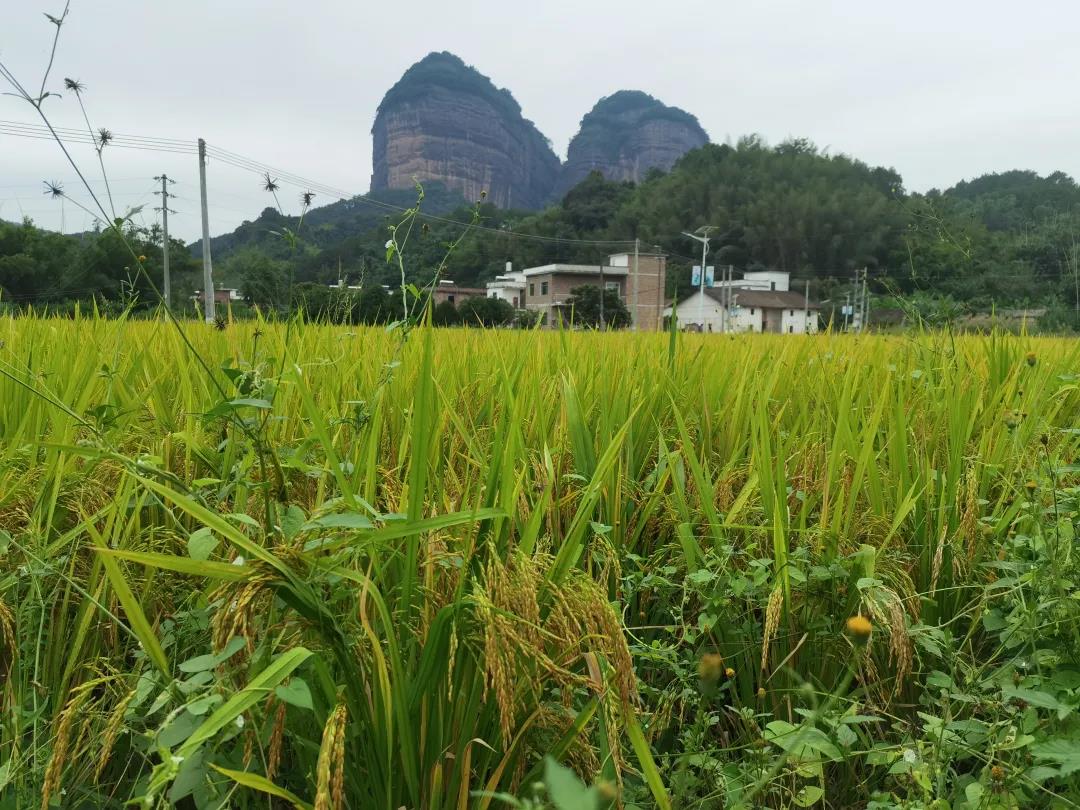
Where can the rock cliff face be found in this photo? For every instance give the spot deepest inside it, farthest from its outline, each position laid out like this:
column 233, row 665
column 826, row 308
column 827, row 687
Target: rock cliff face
column 625, row 135
column 444, row 121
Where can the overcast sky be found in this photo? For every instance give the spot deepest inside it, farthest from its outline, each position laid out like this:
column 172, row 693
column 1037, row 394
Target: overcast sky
column 941, row 90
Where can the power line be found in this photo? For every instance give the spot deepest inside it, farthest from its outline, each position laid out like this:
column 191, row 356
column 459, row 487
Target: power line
column 89, row 142
column 248, row 164
column 70, row 132
column 42, row 133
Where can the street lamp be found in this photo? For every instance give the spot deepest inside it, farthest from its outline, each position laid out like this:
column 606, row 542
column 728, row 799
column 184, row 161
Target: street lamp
column 704, row 239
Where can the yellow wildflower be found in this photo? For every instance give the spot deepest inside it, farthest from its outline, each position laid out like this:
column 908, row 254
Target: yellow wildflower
column 859, row 628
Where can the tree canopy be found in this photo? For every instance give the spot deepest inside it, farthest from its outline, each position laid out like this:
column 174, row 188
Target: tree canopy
column 1000, row 240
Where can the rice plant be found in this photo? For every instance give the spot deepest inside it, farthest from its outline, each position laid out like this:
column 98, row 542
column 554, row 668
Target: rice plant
column 475, row 550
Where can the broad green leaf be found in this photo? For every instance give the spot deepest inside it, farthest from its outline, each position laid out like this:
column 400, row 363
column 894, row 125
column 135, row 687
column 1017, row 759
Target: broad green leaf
column 257, row 689
column 565, row 789
column 808, row 796
column 295, row 693
column 264, row 785
column 340, row 520
column 804, row 742
column 201, row 544
column 1066, row 753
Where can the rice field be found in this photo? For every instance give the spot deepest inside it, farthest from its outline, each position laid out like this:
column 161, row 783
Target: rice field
column 296, row 565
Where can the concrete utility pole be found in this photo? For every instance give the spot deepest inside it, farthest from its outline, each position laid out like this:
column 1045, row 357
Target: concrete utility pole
column 704, row 239
column 634, row 324
column 847, row 308
column 661, row 278
column 208, row 268
column 729, row 297
column 164, row 209
column 865, row 302
column 806, row 310
column 725, row 288
column 602, row 324
column 857, row 304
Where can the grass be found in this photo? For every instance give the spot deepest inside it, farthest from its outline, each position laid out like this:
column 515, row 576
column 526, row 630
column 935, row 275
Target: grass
column 386, row 574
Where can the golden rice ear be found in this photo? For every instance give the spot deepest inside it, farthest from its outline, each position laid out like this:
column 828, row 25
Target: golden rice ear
column 111, row 732
column 901, row 648
column 54, row 771
column 969, row 513
column 9, row 646
column 277, row 739
column 330, row 770
column 772, row 622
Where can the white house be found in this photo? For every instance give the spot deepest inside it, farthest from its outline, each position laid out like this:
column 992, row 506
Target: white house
column 509, row 287
column 759, row 302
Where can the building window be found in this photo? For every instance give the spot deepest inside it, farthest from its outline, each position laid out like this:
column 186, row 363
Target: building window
column 450, row 298
column 772, row 285
column 543, row 288
column 791, row 312
column 753, row 311
column 532, row 288
column 611, row 285
column 790, row 328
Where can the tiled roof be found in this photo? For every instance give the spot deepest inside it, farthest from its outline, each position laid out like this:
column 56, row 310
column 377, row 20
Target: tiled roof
column 765, row 299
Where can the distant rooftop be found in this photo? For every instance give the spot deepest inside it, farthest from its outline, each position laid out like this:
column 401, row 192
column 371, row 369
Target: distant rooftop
column 766, row 299
column 577, row 269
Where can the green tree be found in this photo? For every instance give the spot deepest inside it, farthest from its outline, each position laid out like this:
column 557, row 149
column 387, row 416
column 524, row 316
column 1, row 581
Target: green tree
column 584, row 307
column 262, row 281
column 445, row 314
column 485, row 312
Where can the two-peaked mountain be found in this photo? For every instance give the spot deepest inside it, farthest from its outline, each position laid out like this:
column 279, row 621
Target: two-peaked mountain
column 444, row 121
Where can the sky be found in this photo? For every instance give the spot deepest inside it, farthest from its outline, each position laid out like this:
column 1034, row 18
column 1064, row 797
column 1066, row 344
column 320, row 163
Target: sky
column 941, row 91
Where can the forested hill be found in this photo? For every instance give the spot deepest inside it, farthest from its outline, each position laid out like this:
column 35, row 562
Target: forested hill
column 1006, row 239
column 329, row 223
column 1009, row 239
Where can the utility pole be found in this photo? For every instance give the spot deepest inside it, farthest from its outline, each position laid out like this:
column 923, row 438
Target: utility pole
column 208, row 269
column 704, row 239
column 847, row 308
column 164, row 209
column 856, row 306
column 865, row 303
column 637, row 246
column 806, row 309
column 730, row 297
column 725, row 291
column 602, row 324
column 661, row 279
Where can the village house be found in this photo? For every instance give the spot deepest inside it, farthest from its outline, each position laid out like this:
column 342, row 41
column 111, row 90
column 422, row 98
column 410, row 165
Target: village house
column 639, row 282
column 509, row 287
column 223, row 296
column 447, row 290
column 761, row 301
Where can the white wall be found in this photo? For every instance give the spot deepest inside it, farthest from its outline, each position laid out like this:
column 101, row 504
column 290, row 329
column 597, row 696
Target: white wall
column 799, row 321
column 507, row 294
column 768, row 280
column 689, row 313
column 743, row 319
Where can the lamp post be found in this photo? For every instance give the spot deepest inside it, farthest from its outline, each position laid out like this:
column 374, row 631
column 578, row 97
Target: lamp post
column 704, row 239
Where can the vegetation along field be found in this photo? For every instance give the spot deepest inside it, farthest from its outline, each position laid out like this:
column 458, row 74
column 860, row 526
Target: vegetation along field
column 292, row 565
